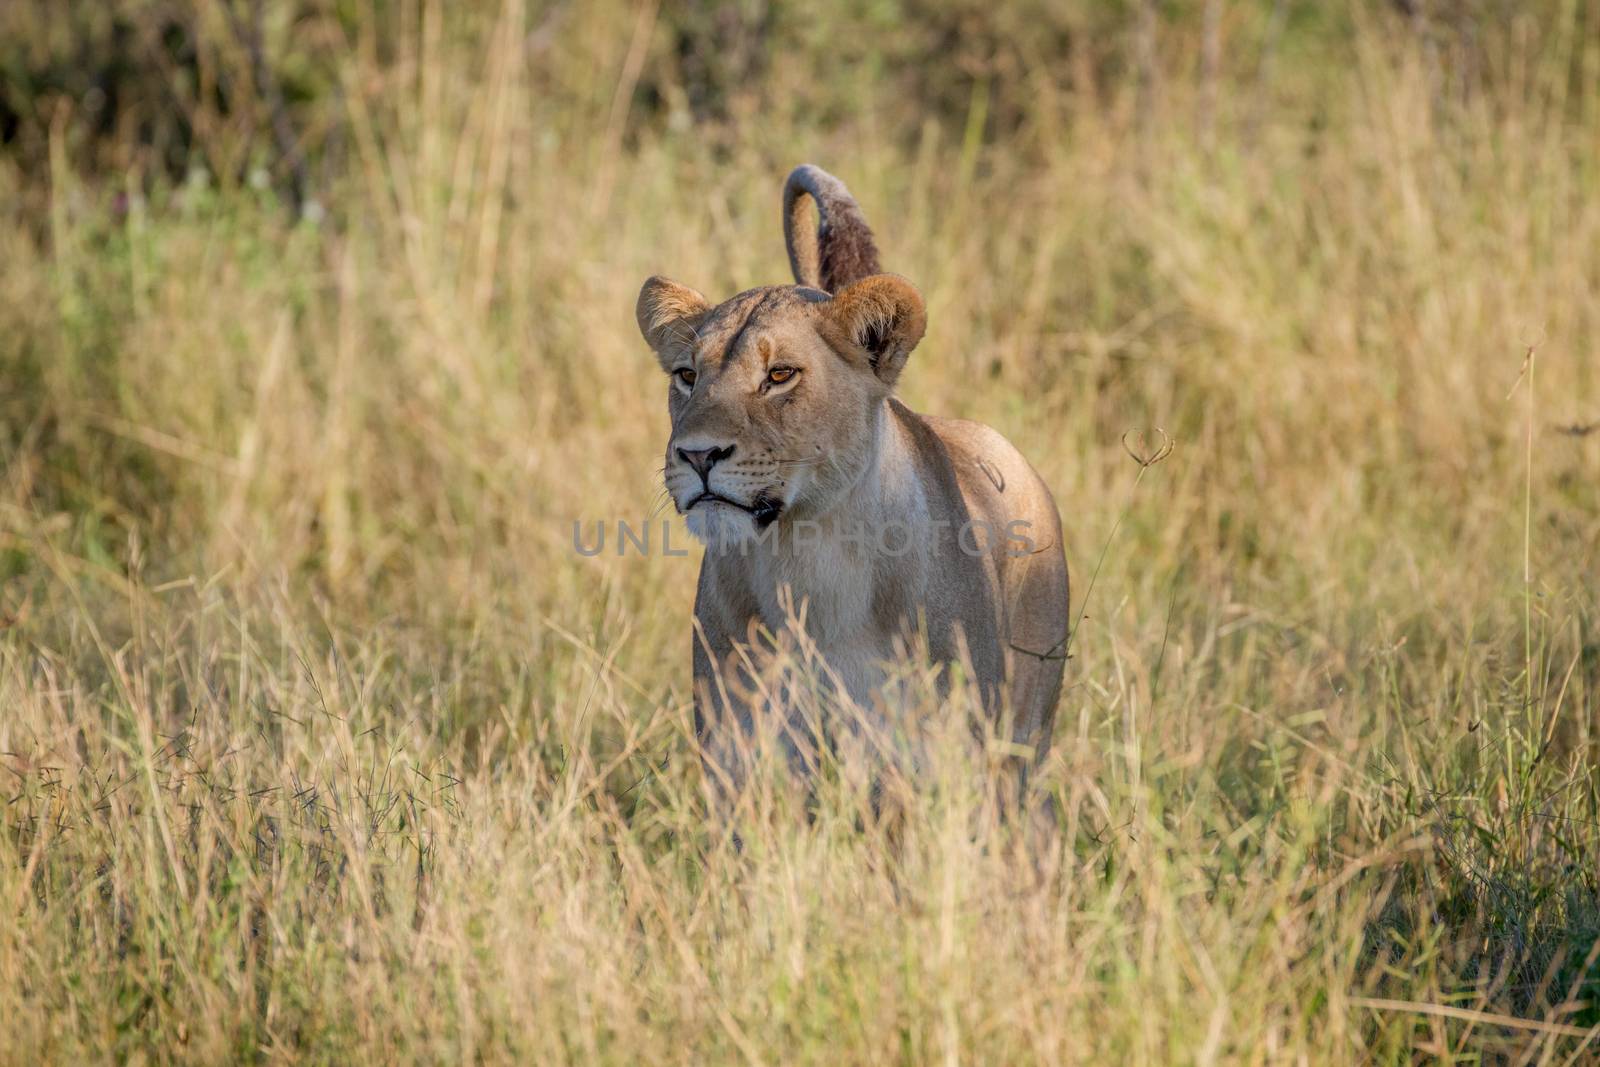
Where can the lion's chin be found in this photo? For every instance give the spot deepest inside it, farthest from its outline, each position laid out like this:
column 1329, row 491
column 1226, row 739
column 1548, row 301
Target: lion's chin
column 719, row 525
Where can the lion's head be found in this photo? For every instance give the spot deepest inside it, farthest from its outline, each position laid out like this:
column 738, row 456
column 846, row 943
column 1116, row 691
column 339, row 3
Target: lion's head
column 774, row 394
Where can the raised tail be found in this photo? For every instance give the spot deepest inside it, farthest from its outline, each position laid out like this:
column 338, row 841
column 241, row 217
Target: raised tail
column 840, row 250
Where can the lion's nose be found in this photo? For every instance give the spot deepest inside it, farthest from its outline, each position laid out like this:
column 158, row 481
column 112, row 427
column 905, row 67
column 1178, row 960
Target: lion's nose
column 703, row 459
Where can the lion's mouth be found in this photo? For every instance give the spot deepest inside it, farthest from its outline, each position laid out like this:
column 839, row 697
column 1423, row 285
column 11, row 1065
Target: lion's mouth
column 763, row 509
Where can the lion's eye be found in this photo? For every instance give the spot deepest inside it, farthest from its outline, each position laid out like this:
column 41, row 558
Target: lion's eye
column 686, row 376
column 779, row 375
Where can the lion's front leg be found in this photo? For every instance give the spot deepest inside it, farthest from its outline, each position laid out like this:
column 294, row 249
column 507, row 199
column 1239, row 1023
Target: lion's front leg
column 760, row 702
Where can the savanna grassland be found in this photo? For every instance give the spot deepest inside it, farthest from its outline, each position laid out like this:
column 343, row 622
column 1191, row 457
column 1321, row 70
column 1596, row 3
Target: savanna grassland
column 319, row 742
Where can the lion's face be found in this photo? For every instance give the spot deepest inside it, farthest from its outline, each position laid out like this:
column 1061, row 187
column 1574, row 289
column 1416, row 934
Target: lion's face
column 774, row 396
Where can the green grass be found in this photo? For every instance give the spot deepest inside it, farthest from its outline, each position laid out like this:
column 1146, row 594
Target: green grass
column 320, row 743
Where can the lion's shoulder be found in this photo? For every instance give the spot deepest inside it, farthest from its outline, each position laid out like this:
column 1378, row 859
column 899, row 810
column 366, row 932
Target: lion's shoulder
column 975, row 461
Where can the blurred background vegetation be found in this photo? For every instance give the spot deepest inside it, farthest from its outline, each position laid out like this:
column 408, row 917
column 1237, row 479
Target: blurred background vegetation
column 316, row 337
column 250, row 92
column 306, row 127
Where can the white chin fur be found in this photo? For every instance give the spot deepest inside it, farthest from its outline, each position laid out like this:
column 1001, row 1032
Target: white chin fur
column 718, row 525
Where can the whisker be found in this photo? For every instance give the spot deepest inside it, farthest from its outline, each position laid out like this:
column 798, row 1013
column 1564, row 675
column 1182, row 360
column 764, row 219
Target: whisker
column 658, row 502
column 658, row 508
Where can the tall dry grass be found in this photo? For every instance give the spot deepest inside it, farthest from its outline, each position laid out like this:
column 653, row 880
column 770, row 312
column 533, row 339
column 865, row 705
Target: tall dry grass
column 320, row 741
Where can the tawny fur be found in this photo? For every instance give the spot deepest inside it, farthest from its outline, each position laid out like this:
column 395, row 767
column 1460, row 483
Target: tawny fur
column 824, row 454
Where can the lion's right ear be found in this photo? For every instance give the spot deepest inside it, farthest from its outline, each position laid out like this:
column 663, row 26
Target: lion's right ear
column 669, row 314
column 882, row 318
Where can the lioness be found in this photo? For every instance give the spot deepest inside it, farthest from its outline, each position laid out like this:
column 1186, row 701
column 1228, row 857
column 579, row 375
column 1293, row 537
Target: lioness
column 828, row 506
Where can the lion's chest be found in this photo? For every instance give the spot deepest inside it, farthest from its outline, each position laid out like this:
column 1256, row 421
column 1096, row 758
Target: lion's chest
column 835, row 594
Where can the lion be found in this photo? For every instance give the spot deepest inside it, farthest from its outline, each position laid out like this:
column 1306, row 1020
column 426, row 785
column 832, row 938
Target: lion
column 833, row 514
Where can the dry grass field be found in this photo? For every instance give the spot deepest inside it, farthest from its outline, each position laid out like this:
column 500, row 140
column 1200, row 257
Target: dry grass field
column 320, row 743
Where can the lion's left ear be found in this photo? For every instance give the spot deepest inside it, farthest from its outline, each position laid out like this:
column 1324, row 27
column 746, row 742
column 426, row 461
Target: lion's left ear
column 882, row 317
column 669, row 314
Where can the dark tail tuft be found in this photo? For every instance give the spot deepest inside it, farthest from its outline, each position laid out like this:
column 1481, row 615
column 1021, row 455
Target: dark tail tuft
column 841, row 250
